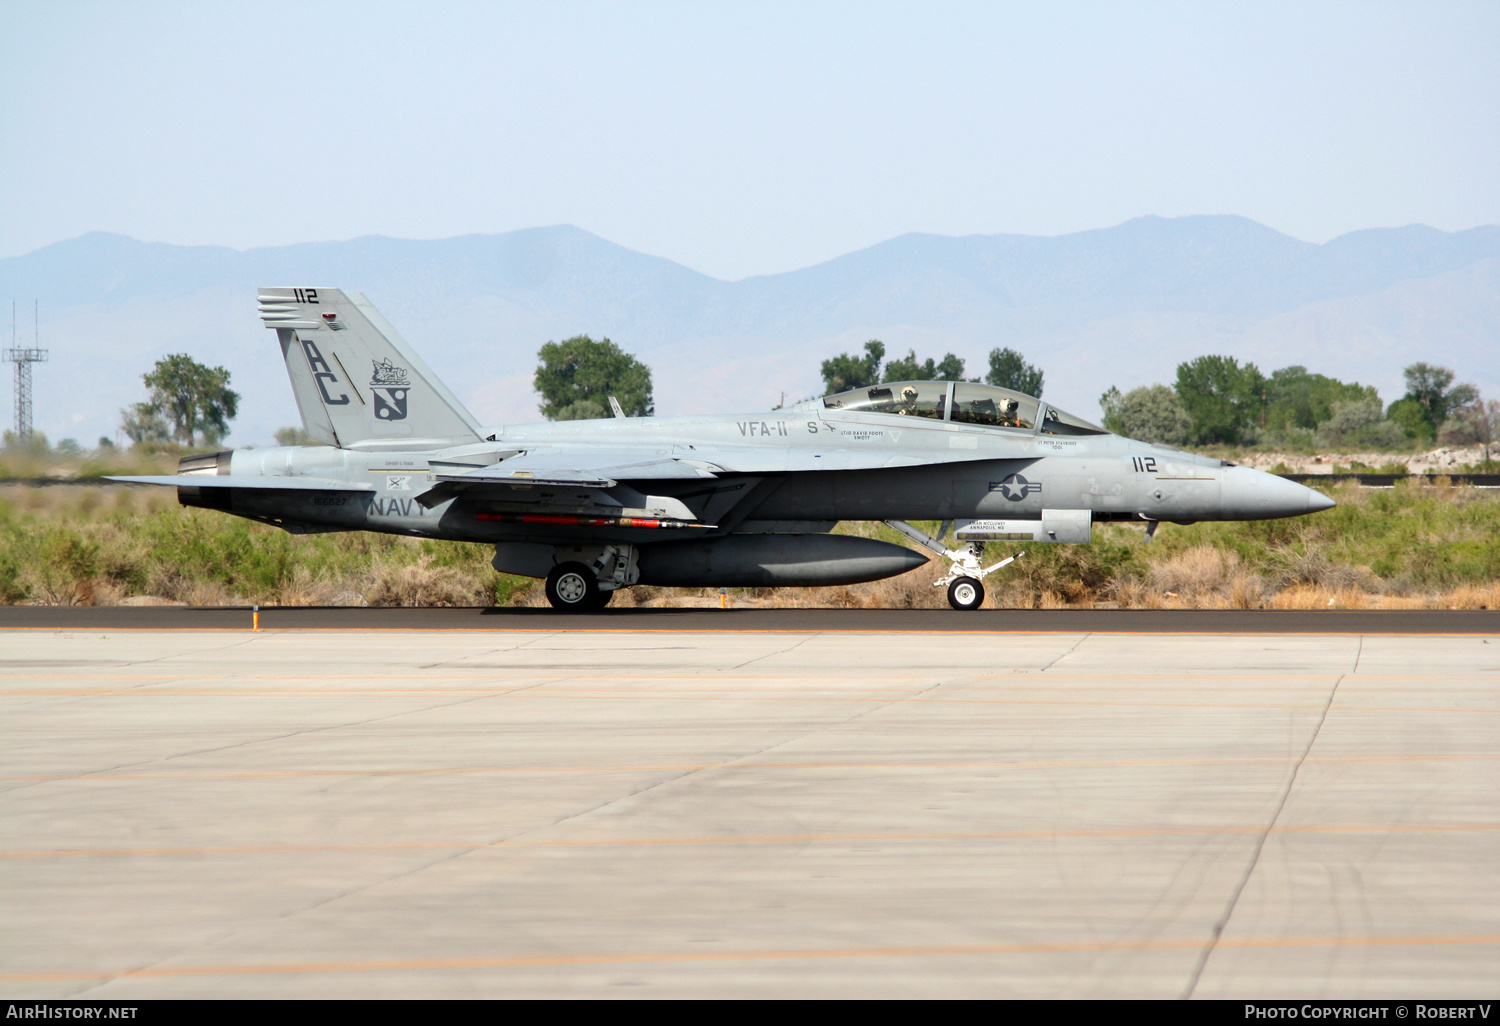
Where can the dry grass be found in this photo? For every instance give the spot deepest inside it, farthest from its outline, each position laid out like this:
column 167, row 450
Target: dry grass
column 1314, row 597
column 421, row 584
column 1410, row 548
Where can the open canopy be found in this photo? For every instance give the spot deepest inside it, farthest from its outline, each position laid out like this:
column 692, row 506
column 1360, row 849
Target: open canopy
column 962, row 402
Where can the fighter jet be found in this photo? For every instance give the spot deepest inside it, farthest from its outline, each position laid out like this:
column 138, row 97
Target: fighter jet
column 717, row 500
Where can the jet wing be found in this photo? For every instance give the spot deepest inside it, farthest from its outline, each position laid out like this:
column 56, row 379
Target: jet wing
column 310, row 484
column 604, row 467
column 586, row 472
column 591, row 469
column 748, row 459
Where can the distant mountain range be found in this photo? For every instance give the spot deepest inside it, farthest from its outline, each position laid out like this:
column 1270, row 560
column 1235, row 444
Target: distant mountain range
column 1120, row 305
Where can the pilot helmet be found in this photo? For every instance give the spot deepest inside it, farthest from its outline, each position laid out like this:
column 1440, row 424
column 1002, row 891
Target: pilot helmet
column 909, row 393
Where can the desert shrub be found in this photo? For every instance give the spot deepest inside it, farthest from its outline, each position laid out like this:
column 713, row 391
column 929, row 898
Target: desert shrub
column 1413, row 544
column 1070, row 573
column 1290, row 566
column 423, row 584
column 69, row 544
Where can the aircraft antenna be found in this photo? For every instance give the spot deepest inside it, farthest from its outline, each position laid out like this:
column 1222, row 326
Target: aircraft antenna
column 23, row 358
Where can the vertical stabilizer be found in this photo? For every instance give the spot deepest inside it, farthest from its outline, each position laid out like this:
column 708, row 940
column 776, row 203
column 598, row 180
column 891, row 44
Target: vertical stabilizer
column 356, row 380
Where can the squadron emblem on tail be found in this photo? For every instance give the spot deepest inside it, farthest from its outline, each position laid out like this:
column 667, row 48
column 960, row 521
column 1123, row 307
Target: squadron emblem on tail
column 390, row 384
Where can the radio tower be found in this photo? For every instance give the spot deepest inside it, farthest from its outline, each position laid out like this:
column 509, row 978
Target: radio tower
column 23, row 359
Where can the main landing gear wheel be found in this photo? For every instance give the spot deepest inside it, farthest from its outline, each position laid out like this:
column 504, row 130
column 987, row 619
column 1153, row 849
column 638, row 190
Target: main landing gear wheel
column 965, row 593
column 573, row 588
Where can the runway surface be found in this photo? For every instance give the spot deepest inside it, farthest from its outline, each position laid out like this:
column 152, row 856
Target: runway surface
column 748, row 813
column 1151, row 621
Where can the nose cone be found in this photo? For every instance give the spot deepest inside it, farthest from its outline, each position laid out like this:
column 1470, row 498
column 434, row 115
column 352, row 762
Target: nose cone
column 1316, row 500
column 1253, row 495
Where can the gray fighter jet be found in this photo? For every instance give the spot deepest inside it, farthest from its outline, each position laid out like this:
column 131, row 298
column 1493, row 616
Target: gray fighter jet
column 715, row 500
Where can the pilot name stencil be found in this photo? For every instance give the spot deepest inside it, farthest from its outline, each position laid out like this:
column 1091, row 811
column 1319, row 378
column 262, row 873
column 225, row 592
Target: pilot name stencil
column 390, row 385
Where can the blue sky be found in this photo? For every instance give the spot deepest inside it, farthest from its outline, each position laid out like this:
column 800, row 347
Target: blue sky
column 739, row 139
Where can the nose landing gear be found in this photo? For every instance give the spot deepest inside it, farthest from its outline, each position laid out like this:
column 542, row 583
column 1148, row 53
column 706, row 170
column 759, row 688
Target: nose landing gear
column 964, row 576
column 965, row 593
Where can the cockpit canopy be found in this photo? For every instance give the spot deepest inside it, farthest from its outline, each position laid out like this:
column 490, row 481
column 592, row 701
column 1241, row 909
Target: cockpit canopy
column 961, row 402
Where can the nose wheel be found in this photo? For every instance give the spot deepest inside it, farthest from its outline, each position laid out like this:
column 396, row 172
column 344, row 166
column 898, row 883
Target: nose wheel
column 965, row 593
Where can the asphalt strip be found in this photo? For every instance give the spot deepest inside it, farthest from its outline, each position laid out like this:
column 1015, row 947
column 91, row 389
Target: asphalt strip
column 794, row 621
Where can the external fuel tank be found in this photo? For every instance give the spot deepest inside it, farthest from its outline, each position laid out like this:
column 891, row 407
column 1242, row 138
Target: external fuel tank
column 774, row 560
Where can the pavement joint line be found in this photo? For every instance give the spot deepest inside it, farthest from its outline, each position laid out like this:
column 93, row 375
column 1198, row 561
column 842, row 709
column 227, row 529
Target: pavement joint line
column 775, row 766
column 1260, row 843
column 501, row 844
column 773, row 954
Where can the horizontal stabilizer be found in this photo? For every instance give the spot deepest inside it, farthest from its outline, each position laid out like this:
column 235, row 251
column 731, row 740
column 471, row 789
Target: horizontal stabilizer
column 305, row 484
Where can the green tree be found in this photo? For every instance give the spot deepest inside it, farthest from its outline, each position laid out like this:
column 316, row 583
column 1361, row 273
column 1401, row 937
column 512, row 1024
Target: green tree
column 1153, row 413
column 1009, row 369
column 583, row 409
column 1222, row 398
column 34, row 444
column 909, row 368
column 196, row 401
column 1359, row 422
column 1113, row 405
column 142, row 422
column 294, row 436
column 1411, row 417
column 579, row 370
column 845, row 372
column 1432, row 389
column 1295, row 398
column 1477, row 423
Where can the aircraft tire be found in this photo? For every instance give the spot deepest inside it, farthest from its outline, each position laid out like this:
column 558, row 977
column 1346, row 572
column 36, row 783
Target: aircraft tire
column 965, row 593
column 602, row 600
column 573, row 588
